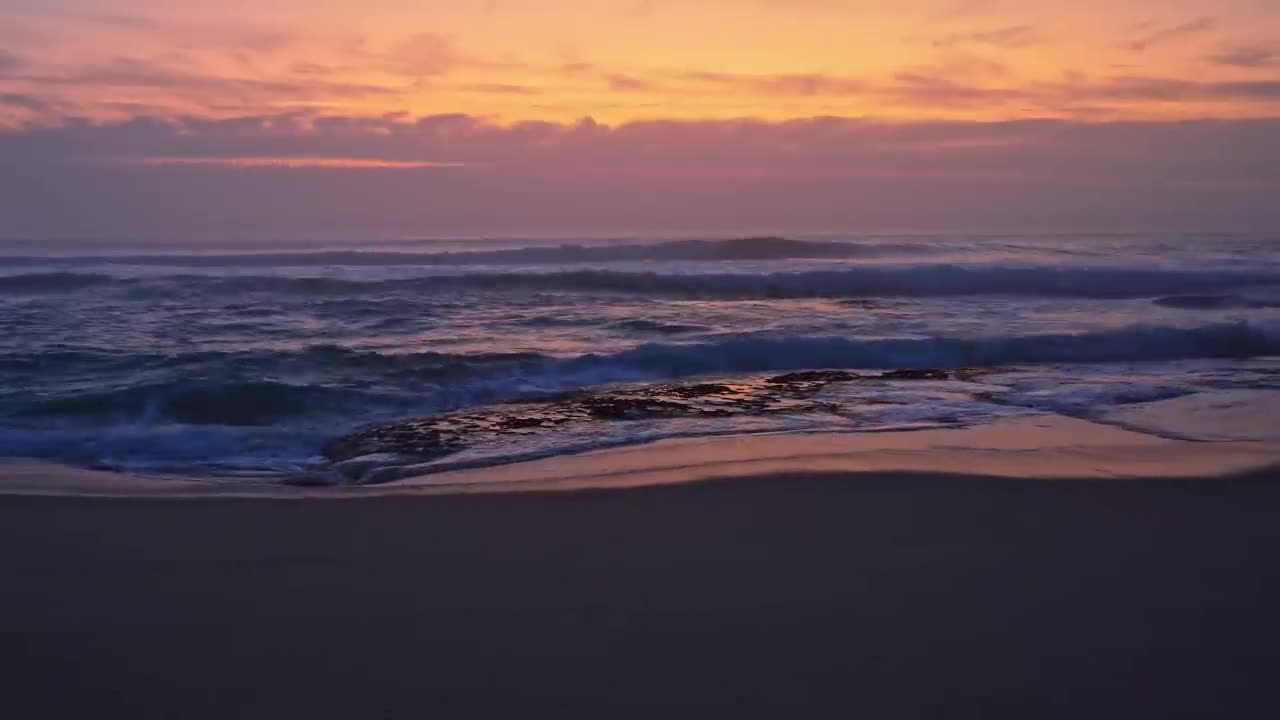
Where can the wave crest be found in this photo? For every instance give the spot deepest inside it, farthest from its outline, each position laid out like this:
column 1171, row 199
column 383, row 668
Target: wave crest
column 350, row 383
column 232, row 403
column 858, row 282
column 53, row 282
column 750, row 248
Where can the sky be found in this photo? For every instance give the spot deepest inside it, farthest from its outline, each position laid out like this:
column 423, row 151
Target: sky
column 396, row 116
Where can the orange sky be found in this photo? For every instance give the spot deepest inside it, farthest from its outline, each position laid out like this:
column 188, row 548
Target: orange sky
column 296, row 117
column 622, row 60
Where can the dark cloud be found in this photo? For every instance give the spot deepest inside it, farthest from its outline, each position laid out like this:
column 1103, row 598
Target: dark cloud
column 24, row 101
column 939, row 88
column 1248, row 56
column 302, row 172
column 1160, row 36
column 1178, row 90
column 10, row 61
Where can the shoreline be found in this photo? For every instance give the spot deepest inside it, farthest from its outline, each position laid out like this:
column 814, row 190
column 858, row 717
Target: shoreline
column 1049, row 568
column 1042, row 447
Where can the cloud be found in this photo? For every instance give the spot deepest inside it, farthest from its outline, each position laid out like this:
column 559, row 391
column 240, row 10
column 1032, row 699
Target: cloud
column 123, row 22
column 10, row 61
column 462, row 140
column 244, row 73
column 967, row 8
column 284, row 163
column 933, row 89
column 937, row 88
column 1173, row 33
column 790, row 84
column 191, row 36
column 1013, row 36
column 24, row 101
column 1178, row 90
column 500, row 89
column 971, row 83
column 301, row 173
column 810, row 84
column 425, row 54
column 1248, row 56
column 168, row 83
column 628, row 83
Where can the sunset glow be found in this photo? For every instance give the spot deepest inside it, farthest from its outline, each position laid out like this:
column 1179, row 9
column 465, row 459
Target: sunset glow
column 335, row 163
column 639, row 359
column 805, row 114
column 621, row 60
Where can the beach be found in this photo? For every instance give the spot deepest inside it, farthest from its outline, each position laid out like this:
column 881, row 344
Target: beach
column 882, row 477
column 639, row 360
column 879, row 593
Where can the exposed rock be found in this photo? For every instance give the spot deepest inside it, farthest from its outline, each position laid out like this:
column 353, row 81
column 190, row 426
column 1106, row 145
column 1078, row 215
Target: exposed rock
column 631, row 408
column 703, row 390
column 424, row 440
column 916, row 375
column 835, row 376
column 814, row 376
column 414, row 437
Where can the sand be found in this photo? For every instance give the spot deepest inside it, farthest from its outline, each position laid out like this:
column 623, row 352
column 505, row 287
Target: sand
column 873, row 594
column 1040, row 446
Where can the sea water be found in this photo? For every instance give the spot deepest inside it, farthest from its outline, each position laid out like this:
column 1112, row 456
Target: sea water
column 244, row 360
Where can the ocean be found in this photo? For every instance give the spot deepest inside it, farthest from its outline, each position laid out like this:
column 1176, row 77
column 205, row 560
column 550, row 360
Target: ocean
column 250, row 363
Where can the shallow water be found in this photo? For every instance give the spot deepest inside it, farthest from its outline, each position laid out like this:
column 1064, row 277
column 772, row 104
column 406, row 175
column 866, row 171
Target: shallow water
column 248, row 363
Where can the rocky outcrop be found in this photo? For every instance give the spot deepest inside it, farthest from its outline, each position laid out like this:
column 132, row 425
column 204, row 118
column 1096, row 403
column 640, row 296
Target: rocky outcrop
column 426, row 439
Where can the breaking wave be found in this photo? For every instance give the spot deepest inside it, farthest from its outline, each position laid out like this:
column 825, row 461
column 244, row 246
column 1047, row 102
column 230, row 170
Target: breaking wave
column 755, row 248
column 345, row 380
column 1134, row 344
column 237, row 403
column 54, row 282
column 210, row 409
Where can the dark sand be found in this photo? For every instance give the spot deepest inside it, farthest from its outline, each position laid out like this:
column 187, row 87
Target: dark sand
column 862, row 597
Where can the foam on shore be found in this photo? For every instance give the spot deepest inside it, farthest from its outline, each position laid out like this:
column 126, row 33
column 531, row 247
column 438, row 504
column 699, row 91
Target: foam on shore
column 1042, row 447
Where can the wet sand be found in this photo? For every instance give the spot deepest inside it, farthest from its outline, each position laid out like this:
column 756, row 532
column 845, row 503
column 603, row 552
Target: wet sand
column 877, row 595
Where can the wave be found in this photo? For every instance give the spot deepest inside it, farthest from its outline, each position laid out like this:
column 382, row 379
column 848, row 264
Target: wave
column 859, row 282
column 231, row 411
column 322, row 360
column 751, row 248
column 1217, row 302
column 55, row 282
column 1132, row 344
column 341, row 384
column 203, row 402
